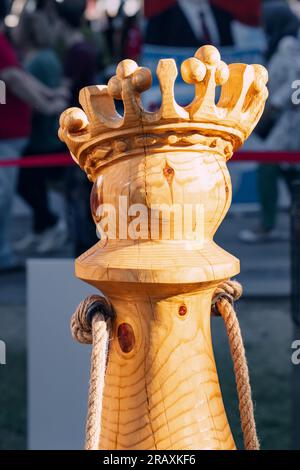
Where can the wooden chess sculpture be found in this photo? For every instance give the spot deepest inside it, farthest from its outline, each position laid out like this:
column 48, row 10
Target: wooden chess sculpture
column 165, row 176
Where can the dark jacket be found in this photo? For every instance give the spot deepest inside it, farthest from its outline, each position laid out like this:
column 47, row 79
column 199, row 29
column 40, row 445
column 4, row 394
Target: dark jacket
column 171, row 28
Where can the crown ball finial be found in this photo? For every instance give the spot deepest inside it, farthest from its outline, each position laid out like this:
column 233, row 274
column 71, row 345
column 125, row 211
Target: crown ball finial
column 193, row 70
column 74, row 120
column 261, row 77
column 261, row 72
column 222, row 73
column 142, row 79
column 208, row 54
column 126, row 68
column 114, row 87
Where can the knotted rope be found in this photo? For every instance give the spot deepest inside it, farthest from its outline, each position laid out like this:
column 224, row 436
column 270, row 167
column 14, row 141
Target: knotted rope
column 222, row 305
column 91, row 324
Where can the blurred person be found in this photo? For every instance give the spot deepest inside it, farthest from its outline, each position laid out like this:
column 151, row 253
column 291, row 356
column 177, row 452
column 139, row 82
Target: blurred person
column 280, row 124
column 247, row 12
column 35, row 36
column 22, row 93
column 190, row 23
column 113, row 34
column 131, row 38
column 80, row 68
column 124, row 35
column 80, row 57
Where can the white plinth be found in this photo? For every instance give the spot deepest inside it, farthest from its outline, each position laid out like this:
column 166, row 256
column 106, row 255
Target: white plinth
column 58, row 367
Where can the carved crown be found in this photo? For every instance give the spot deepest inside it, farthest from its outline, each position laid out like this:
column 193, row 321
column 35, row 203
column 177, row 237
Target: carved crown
column 98, row 134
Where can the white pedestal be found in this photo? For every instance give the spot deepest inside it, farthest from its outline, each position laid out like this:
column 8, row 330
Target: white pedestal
column 58, row 367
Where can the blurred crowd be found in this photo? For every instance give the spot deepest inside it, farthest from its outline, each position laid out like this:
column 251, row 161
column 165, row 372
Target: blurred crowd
column 45, row 59
column 278, row 129
column 52, row 49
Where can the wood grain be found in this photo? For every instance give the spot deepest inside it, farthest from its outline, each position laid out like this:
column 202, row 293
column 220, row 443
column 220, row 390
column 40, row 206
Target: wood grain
column 165, row 393
column 161, row 387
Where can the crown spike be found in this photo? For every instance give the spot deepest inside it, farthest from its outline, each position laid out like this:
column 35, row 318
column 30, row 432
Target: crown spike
column 97, row 103
column 167, row 74
column 258, row 91
column 132, row 105
column 235, row 90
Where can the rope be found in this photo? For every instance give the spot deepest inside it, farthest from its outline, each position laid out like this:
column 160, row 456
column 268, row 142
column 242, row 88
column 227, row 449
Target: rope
column 91, row 324
column 222, row 304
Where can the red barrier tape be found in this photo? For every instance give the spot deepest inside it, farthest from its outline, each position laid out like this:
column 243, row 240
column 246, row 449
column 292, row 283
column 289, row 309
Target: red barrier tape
column 64, row 159
column 57, row 159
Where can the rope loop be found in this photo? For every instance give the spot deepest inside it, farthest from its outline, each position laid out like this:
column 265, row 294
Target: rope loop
column 223, row 305
column 91, row 324
column 228, row 290
column 82, row 319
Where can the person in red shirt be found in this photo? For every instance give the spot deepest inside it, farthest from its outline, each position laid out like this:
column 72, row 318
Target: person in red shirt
column 20, row 92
